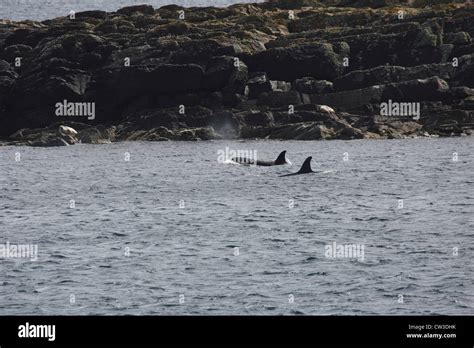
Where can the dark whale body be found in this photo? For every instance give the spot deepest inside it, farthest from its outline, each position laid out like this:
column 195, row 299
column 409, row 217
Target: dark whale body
column 249, row 161
column 305, row 168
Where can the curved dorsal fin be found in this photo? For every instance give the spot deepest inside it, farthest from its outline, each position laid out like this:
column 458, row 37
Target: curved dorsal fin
column 306, row 167
column 281, row 158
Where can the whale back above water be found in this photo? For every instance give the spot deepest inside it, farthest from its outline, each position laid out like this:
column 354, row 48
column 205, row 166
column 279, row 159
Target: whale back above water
column 281, row 159
column 305, row 168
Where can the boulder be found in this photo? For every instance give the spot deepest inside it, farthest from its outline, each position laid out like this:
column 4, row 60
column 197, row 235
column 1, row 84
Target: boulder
column 97, row 135
column 12, row 52
column 432, row 88
column 224, row 72
column 258, row 84
column 279, row 98
column 143, row 9
column 207, row 133
column 309, row 85
column 350, row 100
column 262, row 118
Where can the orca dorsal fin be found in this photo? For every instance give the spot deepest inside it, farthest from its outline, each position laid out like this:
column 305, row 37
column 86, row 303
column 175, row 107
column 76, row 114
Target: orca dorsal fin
column 306, row 167
column 281, row 158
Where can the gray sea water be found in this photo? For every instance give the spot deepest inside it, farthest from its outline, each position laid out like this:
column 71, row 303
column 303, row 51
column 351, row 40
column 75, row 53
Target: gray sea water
column 46, row 9
column 173, row 231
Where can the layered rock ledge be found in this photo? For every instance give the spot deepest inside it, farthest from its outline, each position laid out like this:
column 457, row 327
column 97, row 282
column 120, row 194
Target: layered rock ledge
column 298, row 69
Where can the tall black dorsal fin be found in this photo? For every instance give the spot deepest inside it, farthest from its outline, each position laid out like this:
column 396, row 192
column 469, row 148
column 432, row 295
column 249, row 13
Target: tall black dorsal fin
column 281, row 158
column 306, row 167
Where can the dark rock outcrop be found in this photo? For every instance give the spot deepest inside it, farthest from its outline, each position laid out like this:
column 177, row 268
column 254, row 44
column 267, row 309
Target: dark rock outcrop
column 298, row 69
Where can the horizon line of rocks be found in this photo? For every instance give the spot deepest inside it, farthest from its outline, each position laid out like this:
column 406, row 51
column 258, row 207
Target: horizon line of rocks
column 242, row 71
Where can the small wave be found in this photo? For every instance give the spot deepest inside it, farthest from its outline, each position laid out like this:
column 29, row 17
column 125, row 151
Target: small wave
column 117, row 234
column 229, row 161
column 316, row 274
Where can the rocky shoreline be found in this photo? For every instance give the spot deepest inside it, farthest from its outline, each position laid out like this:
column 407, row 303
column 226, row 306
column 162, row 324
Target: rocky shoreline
column 299, row 69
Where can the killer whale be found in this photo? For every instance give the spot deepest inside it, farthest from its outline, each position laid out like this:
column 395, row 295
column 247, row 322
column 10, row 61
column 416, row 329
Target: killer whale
column 305, row 168
column 281, row 159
